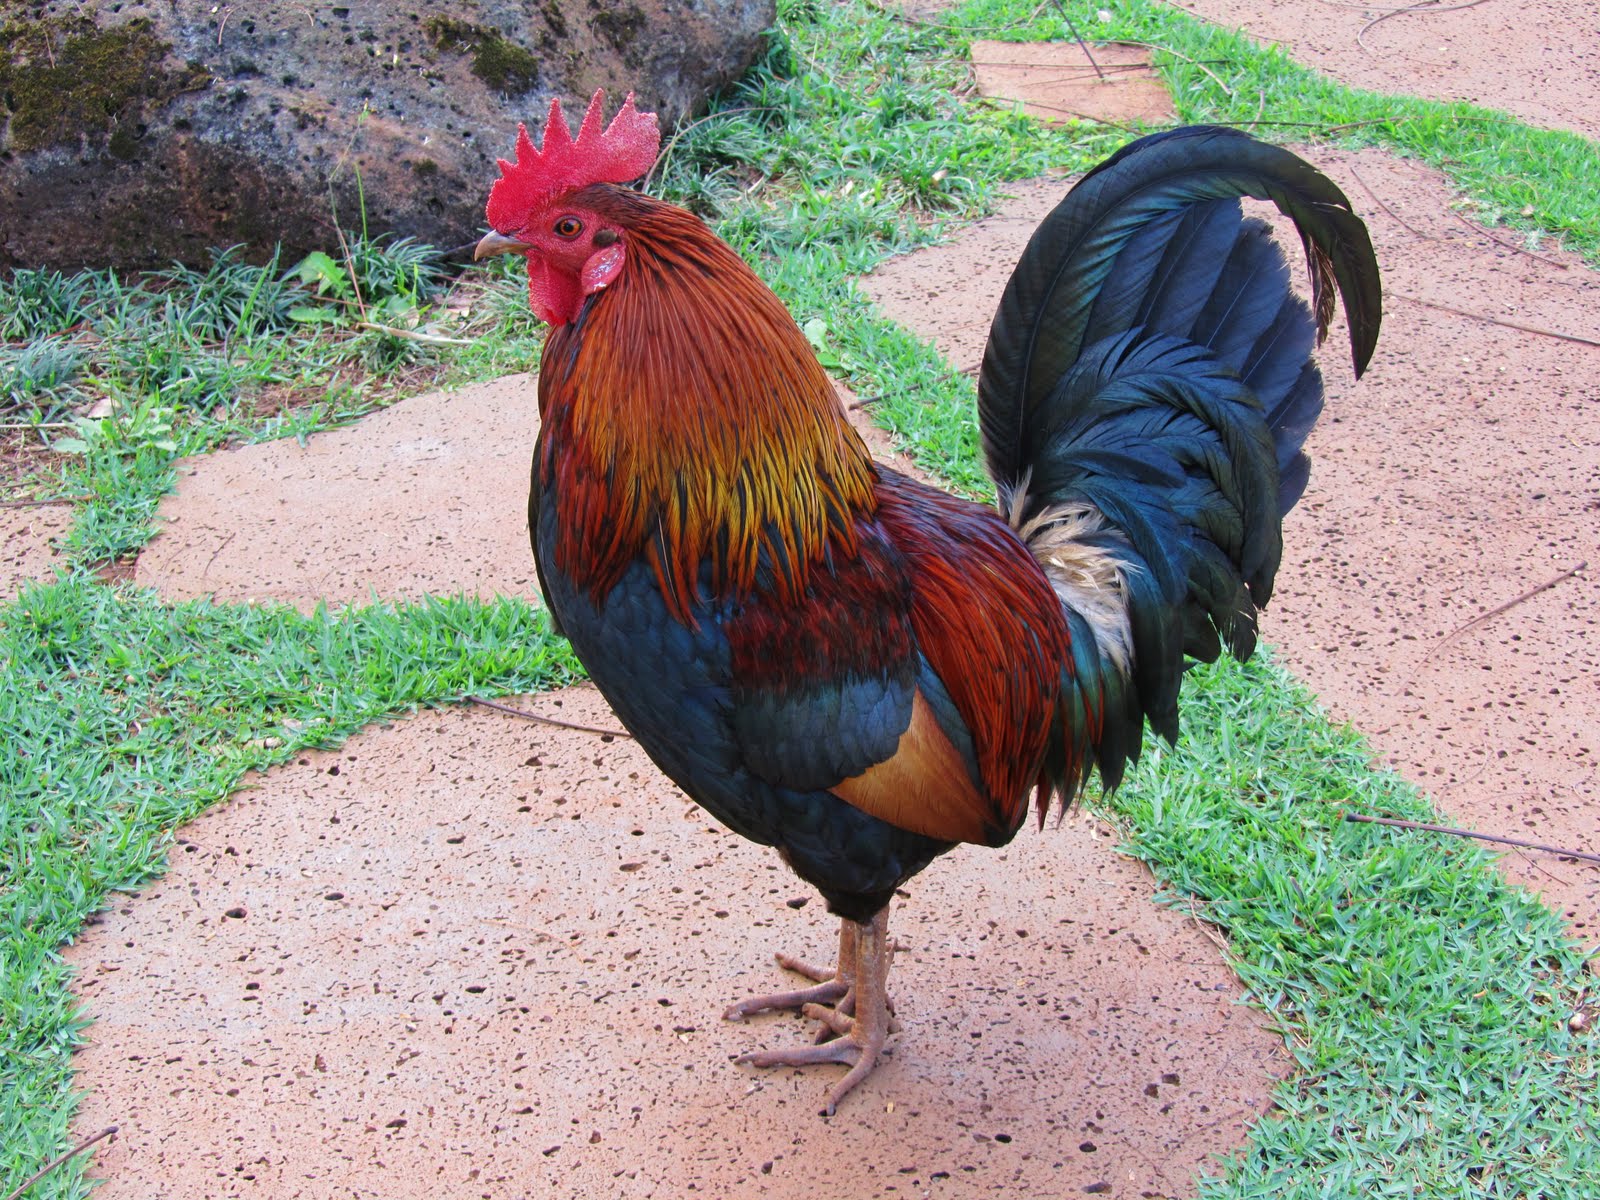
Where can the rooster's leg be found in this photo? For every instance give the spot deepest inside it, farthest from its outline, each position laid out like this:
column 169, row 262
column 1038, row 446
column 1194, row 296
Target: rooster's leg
column 833, row 987
column 861, row 1037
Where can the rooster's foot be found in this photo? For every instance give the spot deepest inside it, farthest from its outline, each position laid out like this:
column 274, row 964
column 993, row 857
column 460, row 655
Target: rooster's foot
column 856, row 1045
column 829, row 990
column 855, row 1027
column 833, row 987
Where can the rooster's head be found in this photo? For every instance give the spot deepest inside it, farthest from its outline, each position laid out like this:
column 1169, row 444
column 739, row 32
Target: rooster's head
column 537, row 207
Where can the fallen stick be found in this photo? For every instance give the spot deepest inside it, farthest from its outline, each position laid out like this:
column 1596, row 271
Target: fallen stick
column 1379, row 201
column 59, row 1159
column 1426, row 6
column 528, row 716
column 1500, row 241
column 41, row 503
column 1500, row 608
column 1461, row 312
column 1397, row 823
column 413, row 335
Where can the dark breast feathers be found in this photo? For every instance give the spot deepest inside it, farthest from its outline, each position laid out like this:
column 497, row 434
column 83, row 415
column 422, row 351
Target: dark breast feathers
column 901, row 705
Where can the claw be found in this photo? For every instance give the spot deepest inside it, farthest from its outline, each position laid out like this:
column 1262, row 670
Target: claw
column 824, row 993
column 833, row 986
column 850, row 1004
column 815, row 974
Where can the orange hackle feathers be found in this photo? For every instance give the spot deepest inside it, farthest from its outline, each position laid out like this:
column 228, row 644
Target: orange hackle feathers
column 695, row 426
column 625, row 150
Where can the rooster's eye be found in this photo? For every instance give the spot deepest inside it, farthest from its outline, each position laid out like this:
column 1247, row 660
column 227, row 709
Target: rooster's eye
column 569, row 227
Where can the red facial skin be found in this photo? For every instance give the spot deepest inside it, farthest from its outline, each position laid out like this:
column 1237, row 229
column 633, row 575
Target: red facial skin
column 572, row 253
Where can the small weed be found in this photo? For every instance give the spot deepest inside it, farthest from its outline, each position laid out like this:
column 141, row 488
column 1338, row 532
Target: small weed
column 38, row 304
column 228, row 302
column 384, row 280
column 38, row 381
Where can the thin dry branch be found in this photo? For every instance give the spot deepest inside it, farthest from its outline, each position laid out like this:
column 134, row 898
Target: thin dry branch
column 1500, row 608
column 1078, row 37
column 1500, row 241
column 414, row 335
column 350, row 268
column 528, row 716
column 1379, row 201
column 1426, row 6
column 41, row 503
column 1193, row 62
column 27, row 1183
column 1498, row 840
column 1461, row 312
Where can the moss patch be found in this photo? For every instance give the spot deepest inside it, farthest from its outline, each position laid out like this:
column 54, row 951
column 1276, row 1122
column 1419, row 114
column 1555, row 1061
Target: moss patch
column 498, row 61
column 61, row 80
column 621, row 27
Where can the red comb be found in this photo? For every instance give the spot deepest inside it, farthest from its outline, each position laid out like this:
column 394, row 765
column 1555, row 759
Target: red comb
column 625, row 150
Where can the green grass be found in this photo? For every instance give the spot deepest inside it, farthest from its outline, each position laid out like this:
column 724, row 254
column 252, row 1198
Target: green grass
column 124, row 376
column 1424, row 1001
column 129, row 716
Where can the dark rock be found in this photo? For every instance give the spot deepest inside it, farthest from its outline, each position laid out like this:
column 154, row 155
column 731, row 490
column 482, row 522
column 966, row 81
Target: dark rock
column 135, row 134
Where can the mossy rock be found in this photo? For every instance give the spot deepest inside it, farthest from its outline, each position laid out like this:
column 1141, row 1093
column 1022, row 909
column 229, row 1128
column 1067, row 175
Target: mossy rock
column 496, row 59
column 64, row 81
column 135, row 133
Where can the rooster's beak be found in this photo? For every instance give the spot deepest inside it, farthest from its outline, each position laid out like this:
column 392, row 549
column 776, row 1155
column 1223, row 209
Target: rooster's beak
column 494, row 243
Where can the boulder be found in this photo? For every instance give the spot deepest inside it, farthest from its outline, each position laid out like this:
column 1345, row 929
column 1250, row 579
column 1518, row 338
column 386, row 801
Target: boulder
column 136, row 134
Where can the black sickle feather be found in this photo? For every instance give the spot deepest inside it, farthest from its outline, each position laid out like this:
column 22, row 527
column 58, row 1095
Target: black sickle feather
column 1039, row 329
column 1150, row 361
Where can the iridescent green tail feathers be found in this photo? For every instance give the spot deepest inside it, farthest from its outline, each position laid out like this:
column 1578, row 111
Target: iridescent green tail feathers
column 1146, row 391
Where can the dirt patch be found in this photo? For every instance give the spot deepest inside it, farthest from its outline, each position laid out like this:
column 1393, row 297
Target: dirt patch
column 1453, row 478
column 474, row 956
column 1538, row 60
column 28, row 530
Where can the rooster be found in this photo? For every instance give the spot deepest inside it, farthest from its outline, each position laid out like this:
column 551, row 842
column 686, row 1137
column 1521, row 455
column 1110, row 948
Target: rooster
column 844, row 663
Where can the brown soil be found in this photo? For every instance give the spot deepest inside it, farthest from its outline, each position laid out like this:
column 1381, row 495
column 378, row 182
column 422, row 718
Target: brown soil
column 28, row 530
column 1053, row 82
column 472, row 956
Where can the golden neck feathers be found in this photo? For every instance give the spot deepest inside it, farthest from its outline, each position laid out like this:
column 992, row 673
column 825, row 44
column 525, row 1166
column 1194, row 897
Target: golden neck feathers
column 686, row 420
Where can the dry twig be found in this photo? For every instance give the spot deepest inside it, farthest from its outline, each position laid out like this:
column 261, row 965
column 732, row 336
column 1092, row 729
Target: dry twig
column 1500, row 608
column 1379, row 201
column 528, row 716
column 414, row 335
column 1499, row 241
column 41, row 503
column 27, row 1183
column 1078, row 37
column 1193, row 62
column 1461, row 312
column 1430, row 6
column 1396, row 823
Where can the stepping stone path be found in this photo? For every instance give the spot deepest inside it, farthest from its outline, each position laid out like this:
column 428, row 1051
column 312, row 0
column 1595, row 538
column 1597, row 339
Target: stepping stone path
column 468, row 955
